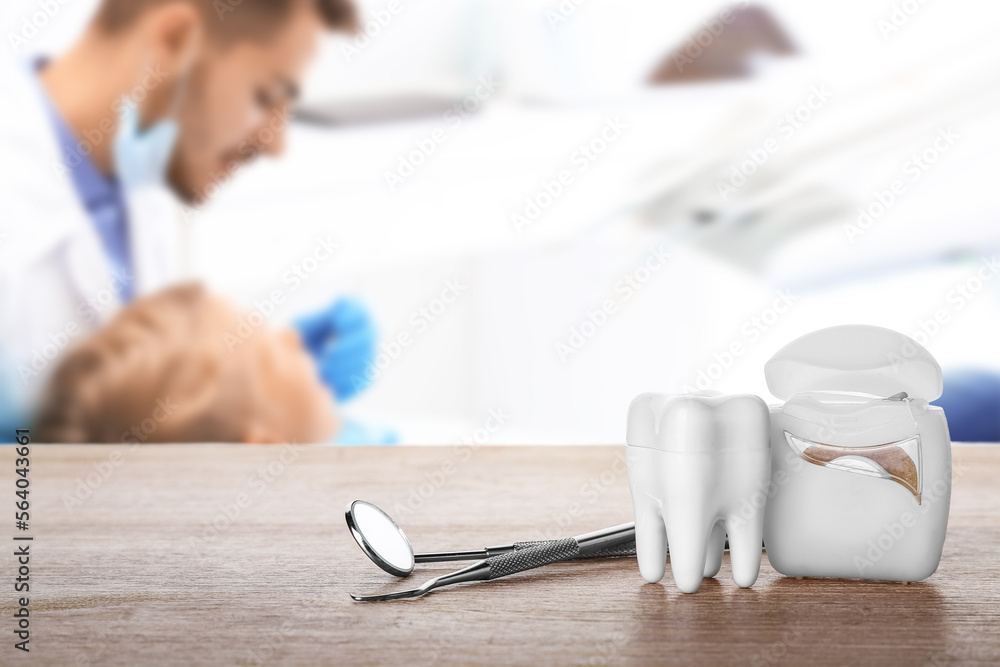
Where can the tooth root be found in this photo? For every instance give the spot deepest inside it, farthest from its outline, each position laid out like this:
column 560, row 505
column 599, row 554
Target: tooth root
column 687, row 533
column 645, row 469
column 745, row 539
column 650, row 542
column 716, row 545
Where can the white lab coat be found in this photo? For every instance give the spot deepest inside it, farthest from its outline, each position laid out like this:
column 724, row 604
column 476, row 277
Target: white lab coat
column 56, row 284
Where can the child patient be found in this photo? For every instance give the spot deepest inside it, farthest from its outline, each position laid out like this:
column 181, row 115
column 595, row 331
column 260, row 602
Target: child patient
column 179, row 366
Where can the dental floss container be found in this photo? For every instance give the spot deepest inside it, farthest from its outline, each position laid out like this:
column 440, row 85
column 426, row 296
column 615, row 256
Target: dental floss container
column 860, row 463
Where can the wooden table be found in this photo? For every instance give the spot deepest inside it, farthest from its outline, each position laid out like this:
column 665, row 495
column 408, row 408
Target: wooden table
column 240, row 555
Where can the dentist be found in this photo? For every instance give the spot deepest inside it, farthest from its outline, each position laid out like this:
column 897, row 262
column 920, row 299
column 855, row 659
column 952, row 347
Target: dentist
column 157, row 102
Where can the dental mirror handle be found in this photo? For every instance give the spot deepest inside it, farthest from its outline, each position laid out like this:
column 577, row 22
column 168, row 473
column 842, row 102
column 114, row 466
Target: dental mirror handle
column 622, row 550
column 600, row 540
column 446, row 556
column 606, row 543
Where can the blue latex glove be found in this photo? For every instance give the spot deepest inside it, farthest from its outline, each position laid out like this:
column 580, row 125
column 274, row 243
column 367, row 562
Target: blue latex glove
column 353, row 433
column 342, row 341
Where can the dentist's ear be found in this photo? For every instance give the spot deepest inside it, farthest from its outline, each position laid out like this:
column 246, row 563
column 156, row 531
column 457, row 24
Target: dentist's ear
column 173, row 33
column 172, row 37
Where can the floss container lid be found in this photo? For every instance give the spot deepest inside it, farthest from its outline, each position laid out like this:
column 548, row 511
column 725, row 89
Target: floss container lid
column 854, row 358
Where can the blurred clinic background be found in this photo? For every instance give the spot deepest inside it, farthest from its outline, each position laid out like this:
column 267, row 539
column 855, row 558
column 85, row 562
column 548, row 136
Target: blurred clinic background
column 551, row 206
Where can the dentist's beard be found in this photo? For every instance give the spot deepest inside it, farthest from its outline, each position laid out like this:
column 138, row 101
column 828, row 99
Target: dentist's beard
column 179, row 185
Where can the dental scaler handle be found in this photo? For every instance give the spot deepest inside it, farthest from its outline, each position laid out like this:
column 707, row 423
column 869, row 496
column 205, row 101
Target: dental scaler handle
column 494, row 567
column 620, row 541
column 581, row 546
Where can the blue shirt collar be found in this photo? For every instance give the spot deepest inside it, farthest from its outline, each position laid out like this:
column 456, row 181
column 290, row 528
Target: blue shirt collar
column 93, row 187
column 101, row 196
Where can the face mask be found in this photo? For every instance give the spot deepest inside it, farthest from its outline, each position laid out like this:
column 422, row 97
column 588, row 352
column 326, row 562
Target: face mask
column 141, row 157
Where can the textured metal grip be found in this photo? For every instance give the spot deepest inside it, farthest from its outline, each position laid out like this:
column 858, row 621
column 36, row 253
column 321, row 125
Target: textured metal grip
column 627, row 549
column 527, row 559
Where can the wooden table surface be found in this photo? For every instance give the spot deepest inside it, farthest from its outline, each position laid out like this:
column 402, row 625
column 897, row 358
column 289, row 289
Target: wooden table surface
column 240, row 555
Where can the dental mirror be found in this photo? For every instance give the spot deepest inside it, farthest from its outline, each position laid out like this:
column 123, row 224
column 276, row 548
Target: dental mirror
column 383, row 541
column 380, row 538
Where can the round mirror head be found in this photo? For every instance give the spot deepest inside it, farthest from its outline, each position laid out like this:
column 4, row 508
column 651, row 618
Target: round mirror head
column 380, row 538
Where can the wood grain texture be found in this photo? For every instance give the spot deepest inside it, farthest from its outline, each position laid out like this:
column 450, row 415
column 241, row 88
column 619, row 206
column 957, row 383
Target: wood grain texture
column 148, row 568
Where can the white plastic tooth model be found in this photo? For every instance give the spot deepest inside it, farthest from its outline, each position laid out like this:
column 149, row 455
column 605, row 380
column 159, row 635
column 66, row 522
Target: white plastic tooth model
column 698, row 469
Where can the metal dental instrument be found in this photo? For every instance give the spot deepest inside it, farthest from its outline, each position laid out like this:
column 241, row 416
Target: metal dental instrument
column 384, row 542
column 519, row 560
